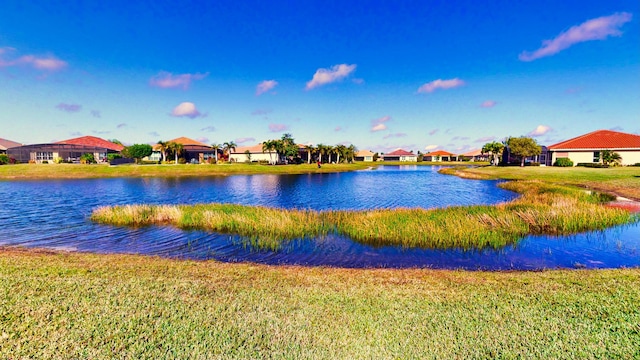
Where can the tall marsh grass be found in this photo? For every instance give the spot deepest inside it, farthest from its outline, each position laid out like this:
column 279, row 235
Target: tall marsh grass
column 542, row 209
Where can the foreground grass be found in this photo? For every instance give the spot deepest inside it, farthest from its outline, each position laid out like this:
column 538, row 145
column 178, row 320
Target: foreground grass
column 76, row 171
column 542, row 209
column 116, row 306
column 622, row 181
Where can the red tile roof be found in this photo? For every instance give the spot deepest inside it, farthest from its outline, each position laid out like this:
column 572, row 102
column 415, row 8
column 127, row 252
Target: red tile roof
column 400, row 152
column 252, row 149
column 440, row 153
column 601, row 139
column 476, row 152
column 93, row 141
column 5, row 144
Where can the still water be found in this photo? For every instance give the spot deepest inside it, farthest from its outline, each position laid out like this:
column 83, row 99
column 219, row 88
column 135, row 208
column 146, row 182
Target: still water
column 55, row 214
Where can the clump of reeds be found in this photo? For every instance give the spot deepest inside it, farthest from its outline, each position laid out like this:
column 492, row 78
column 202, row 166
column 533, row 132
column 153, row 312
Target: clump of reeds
column 542, row 209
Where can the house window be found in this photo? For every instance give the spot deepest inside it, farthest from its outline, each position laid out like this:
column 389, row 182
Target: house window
column 596, row 156
column 43, row 155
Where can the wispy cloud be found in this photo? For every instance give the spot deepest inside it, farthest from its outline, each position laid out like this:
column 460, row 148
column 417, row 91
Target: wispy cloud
column 76, row 133
column 431, row 147
column 594, row 29
column 459, row 138
column 616, row 128
column 484, row 139
column 101, row 132
column 167, row 80
column 261, row 112
column 396, row 135
column 337, row 128
column 186, row 109
column 72, row 108
column 243, row 140
column 440, row 84
column 46, row 63
column 433, row 132
column 327, row 76
column 96, row 114
column 539, row 131
column 379, row 124
column 265, row 86
column 154, row 134
column 121, row 125
column 208, row 129
column 488, row 104
column 278, row 127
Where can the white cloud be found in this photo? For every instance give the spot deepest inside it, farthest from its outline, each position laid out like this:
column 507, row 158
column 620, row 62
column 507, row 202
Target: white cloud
column 430, row 147
column 539, row 131
column 378, row 124
column 48, row 63
column 484, row 139
column 327, row 76
column 265, row 86
column 594, row 29
column 186, row 109
column 488, row 104
column 244, row 140
column 278, row 127
column 69, row 107
column 168, row 80
column 440, row 84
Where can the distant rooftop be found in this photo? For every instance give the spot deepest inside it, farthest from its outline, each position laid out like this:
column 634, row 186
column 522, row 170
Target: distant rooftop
column 5, row 144
column 92, row 141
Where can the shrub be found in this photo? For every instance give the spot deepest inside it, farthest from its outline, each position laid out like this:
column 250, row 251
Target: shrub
column 4, row 159
column 593, row 165
column 87, row 158
column 111, row 157
column 563, row 162
column 636, row 164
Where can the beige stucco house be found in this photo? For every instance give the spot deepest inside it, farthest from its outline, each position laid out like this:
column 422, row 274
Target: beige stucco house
column 588, row 148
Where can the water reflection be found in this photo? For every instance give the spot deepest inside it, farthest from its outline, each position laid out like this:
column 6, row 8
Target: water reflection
column 54, row 214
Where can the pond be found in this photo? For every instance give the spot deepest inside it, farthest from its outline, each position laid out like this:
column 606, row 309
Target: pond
column 55, row 214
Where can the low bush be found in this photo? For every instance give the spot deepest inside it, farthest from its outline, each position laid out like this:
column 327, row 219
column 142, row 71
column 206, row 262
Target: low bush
column 4, row 159
column 563, row 162
column 593, row 165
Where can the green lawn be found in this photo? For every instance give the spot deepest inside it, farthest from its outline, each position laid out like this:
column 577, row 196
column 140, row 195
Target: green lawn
column 113, row 306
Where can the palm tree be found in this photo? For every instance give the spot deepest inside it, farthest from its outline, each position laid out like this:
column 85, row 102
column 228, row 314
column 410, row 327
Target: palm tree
column 322, row 150
column 340, row 150
column 268, row 146
column 609, row 156
column 163, row 147
column 495, row 150
column 215, row 148
column 228, row 147
column 351, row 153
column 330, row 151
column 310, row 149
column 176, row 149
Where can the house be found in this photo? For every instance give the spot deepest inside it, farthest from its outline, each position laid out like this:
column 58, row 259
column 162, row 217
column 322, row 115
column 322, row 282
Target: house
column 67, row 150
column 587, row 148
column 364, row 155
column 475, row 155
column 193, row 151
column 543, row 158
column 439, row 155
column 400, row 155
column 253, row 154
column 5, row 144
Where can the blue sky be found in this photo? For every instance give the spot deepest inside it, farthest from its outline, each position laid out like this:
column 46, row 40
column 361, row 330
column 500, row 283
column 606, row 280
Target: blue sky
column 418, row 75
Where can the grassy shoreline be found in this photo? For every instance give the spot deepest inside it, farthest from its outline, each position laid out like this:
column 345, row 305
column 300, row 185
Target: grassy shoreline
column 74, row 305
column 542, row 209
column 619, row 181
column 76, row 171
